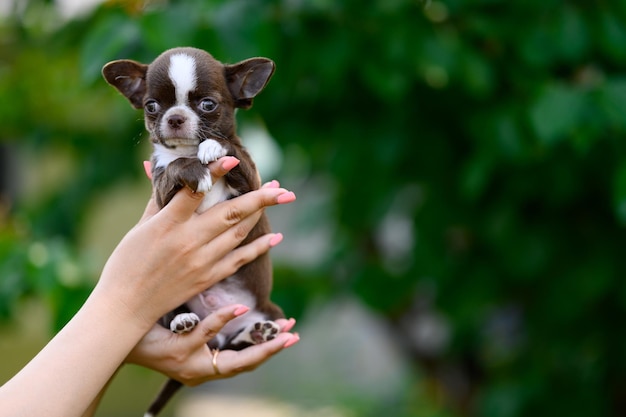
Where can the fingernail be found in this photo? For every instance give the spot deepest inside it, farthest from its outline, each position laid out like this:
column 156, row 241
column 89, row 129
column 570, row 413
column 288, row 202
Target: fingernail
column 276, row 239
column 241, row 310
column 294, row 339
column 271, row 184
column 285, row 198
column 289, row 325
column 230, row 163
column 147, row 167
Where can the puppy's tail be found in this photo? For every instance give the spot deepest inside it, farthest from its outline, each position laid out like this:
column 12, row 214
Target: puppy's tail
column 167, row 392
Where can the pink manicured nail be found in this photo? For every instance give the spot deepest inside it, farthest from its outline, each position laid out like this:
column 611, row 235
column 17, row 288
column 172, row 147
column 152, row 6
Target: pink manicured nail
column 241, row 310
column 285, row 198
column 147, row 166
column 230, row 163
column 294, row 339
column 271, row 184
column 289, row 325
column 276, row 239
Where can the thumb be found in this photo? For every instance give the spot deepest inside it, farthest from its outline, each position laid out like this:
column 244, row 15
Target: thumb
column 186, row 205
column 210, row 326
column 183, row 205
column 151, row 209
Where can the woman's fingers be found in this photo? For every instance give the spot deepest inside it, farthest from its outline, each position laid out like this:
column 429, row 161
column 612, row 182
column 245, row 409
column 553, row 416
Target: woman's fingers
column 187, row 358
column 218, row 168
column 230, row 261
column 208, row 328
column 222, row 167
column 232, row 362
column 182, row 206
column 211, row 325
column 151, row 209
column 237, row 210
column 286, row 324
column 185, row 202
column 224, row 226
column 187, row 206
column 147, row 167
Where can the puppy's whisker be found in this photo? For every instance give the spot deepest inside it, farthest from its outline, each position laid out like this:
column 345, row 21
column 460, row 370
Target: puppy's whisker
column 137, row 140
column 208, row 132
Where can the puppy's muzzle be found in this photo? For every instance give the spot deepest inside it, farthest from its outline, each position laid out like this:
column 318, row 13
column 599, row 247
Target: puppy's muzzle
column 176, row 121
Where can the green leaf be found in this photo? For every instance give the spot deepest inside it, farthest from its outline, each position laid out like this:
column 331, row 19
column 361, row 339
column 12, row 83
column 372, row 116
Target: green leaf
column 612, row 102
column 619, row 193
column 557, row 112
column 111, row 35
column 181, row 22
column 476, row 73
column 571, row 34
column 612, row 35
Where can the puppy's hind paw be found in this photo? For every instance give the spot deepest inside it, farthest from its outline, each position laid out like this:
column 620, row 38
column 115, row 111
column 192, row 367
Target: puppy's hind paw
column 263, row 331
column 184, row 322
column 256, row 333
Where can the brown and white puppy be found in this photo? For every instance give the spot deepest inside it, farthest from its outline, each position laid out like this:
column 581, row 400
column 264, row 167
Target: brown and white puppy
column 189, row 101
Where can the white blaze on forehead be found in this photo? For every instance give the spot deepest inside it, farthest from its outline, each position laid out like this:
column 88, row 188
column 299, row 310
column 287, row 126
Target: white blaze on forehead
column 182, row 72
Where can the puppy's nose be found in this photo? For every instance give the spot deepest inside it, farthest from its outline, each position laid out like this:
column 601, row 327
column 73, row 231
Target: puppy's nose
column 175, row 121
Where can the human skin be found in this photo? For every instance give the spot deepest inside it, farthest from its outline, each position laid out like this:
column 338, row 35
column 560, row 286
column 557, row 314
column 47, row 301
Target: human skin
column 135, row 288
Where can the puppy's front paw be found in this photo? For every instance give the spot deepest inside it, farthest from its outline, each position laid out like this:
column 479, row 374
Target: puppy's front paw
column 205, row 184
column 210, row 150
column 184, row 322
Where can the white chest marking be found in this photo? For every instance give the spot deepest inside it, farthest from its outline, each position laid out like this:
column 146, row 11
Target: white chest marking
column 220, row 191
column 164, row 156
column 182, row 72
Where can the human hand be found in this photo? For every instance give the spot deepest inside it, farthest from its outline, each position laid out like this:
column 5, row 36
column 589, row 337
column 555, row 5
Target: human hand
column 174, row 253
column 188, row 359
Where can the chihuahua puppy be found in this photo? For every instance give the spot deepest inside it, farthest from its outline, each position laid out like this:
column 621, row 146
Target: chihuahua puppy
column 189, row 101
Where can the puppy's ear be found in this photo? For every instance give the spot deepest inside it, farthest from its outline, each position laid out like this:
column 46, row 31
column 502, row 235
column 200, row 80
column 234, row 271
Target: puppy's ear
column 247, row 78
column 129, row 77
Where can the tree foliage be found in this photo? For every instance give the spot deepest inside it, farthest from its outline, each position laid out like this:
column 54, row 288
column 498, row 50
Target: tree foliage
column 475, row 152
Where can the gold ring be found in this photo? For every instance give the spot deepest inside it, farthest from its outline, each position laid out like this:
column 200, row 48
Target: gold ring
column 214, row 361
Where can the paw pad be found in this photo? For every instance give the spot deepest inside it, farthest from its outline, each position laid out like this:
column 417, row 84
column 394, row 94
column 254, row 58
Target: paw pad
column 263, row 331
column 184, row 322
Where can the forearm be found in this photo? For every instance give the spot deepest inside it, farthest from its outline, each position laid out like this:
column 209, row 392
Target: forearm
column 171, row 255
column 65, row 378
column 91, row 410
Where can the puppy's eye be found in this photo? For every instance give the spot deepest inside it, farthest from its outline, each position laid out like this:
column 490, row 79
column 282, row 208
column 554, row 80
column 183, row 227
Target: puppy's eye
column 207, row 105
column 151, row 107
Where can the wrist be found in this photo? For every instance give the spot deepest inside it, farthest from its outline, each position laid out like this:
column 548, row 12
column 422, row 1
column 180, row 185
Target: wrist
column 121, row 310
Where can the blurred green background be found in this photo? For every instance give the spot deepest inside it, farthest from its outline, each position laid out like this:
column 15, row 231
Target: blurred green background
column 457, row 244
